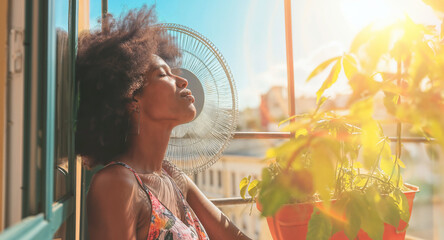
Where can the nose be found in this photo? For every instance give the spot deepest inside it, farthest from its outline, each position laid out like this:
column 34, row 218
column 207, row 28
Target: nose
column 181, row 82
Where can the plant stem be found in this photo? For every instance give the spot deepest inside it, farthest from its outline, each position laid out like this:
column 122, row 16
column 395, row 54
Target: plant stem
column 398, row 149
column 297, row 152
column 351, row 167
column 370, row 176
column 338, row 182
column 398, row 127
column 375, row 165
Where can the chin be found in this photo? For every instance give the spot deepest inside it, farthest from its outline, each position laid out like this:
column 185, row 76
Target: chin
column 186, row 115
column 191, row 115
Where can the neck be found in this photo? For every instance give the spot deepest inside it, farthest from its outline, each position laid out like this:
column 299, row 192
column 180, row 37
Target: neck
column 147, row 149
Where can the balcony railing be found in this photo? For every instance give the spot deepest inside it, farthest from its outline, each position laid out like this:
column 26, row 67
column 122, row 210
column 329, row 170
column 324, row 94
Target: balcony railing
column 285, row 135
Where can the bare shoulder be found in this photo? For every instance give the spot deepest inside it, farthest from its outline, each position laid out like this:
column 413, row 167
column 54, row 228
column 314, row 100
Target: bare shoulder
column 113, row 177
column 113, row 186
column 113, row 204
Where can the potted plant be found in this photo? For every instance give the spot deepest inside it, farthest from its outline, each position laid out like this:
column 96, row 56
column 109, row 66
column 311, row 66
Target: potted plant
column 337, row 177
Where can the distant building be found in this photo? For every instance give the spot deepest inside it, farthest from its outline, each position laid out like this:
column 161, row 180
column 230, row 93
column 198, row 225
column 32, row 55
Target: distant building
column 273, row 107
column 249, row 120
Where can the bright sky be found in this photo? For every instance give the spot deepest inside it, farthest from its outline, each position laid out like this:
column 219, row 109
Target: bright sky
column 250, row 33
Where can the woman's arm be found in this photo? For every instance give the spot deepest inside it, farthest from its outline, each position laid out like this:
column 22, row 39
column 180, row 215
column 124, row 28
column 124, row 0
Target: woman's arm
column 216, row 224
column 110, row 205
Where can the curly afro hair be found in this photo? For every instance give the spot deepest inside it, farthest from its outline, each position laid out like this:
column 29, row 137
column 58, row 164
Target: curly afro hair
column 111, row 66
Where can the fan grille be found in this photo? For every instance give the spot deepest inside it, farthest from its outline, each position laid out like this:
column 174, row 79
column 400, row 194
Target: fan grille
column 196, row 145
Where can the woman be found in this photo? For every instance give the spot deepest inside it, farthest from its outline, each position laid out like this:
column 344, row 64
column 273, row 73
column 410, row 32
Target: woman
column 130, row 100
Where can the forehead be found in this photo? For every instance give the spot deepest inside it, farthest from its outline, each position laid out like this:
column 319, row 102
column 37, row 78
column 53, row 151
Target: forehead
column 158, row 62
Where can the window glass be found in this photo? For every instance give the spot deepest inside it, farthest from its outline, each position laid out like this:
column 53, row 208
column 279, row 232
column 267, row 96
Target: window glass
column 64, row 94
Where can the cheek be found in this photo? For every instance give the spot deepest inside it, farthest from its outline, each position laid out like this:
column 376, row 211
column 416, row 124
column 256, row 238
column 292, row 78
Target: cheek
column 157, row 101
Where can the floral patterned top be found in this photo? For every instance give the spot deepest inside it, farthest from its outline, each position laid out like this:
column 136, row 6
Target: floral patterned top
column 164, row 224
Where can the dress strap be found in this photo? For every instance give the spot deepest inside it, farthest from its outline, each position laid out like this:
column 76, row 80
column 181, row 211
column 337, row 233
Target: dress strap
column 144, row 187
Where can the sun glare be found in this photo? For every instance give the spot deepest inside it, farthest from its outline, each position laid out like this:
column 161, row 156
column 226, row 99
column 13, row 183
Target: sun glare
column 360, row 13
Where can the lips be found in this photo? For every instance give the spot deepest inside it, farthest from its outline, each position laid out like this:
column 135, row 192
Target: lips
column 188, row 95
column 190, row 98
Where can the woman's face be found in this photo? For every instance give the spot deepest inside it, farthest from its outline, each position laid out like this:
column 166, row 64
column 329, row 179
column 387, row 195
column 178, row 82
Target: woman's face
column 165, row 96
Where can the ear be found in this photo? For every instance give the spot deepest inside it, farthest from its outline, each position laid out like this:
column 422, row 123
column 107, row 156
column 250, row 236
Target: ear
column 133, row 105
column 135, row 98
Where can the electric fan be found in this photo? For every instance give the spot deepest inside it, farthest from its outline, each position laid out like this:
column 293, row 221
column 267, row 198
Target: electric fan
column 195, row 146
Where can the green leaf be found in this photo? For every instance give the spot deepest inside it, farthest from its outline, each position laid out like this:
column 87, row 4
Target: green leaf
column 331, row 79
column 362, row 109
column 243, row 186
column 437, row 5
column 272, row 198
column 386, row 162
column 292, row 151
column 370, row 138
column 253, row 187
column 389, row 102
column 442, row 29
column 350, row 66
column 358, row 165
column 319, row 226
column 363, row 86
column 401, row 163
column 388, row 166
column 372, row 224
column 396, row 99
column 321, row 102
column 321, row 67
column 388, row 211
column 300, row 132
column 294, row 125
column 354, row 224
column 419, row 68
column 402, row 203
column 266, row 176
column 378, row 45
column 362, row 37
column 338, row 209
column 322, row 166
column 353, row 213
column 286, row 120
column 271, row 153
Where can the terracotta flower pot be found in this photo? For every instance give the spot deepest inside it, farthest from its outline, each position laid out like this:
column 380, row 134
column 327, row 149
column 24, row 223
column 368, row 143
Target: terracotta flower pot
column 291, row 222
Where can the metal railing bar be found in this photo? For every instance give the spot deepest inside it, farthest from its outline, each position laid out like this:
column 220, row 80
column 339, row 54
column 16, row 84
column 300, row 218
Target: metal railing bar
column 285, row 135
column 261, row 135
column 231, row 201
column 289, row 55
column 413, row 139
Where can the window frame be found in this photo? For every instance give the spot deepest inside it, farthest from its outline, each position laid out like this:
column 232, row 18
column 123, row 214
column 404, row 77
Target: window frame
column 42, row 218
